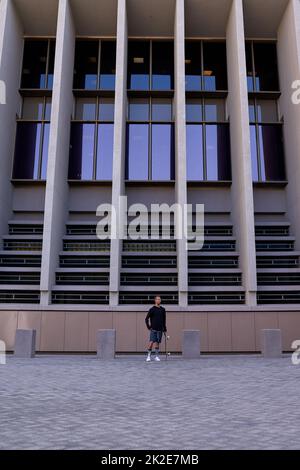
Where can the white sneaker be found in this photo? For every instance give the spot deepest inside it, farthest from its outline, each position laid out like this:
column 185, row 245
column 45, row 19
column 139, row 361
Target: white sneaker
column 157, row 359
column 148, row 358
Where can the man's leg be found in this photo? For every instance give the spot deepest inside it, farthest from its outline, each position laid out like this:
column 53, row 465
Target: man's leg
column 149, row 351
column 156, row 345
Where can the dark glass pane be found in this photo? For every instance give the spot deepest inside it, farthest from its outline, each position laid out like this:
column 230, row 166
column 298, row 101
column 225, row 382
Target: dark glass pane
column 194, row 111
column 194, row 140
column 161, row 110
column 162, row 152
column 27, row 151
column 108, row 65
column 138, row 152
column 218, row 153
column 106, row 109
column 33, row 109
column 254, row 157
column 34, row 64
column 48, row 109
column 162, row 65
column 86, row 65
column 45, row 151
column 138, row 65
column 105, row 151
column 51, row 65
column 139, row 109
column 215, row 66
column 266, row 68
column 214, row 110
column 85, row 109
column 193, row 68
column 249, row 66
column 267, row 111
column 252, row 111
column 271, row 153
column 82, row 151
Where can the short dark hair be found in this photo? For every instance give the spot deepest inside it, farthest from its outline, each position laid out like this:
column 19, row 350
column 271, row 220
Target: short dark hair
column 157, row 297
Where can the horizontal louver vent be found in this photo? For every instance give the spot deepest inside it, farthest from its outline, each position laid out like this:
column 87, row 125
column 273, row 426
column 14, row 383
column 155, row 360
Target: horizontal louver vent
column 217, row 298
column 215, row 279
column 80, row 298
column 139, row 279
column 19, row 297
column 146, row 298
column 84, row 261
column 82, row 279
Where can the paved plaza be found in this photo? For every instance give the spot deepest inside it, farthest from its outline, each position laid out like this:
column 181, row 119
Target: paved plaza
column 216, row 402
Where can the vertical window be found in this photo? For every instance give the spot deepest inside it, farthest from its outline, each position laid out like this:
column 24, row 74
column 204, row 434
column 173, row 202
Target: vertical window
column 214, row 66
column 193, row 66
column 95, row 63
column 267, row 150
column 32, row 140
column 108, row 65
column 208, row 141
column 150, row 139
column 150, row 65
column 205, row 66
column 139, row 65
column 86, row 65
column 38, row 64
column 162, row 65
column 91, row 146
column 262, row 66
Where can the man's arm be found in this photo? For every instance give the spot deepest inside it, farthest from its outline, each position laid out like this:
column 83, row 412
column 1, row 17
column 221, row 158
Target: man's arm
column 147, row 320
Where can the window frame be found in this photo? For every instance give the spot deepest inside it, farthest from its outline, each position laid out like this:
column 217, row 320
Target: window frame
column 49, row 41
column 203, row 88
column 99, row 42
column 150, row 72
column 43, row 122
column 96, row 123
column 150, row 123
column 203, row 123
column 258, row 123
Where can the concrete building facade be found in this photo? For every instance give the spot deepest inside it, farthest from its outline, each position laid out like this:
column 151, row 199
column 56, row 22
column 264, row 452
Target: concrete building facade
column 168, row 101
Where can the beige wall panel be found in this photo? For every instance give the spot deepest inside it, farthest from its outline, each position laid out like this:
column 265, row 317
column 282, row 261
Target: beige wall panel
column 219, row 332
column 289, row 323
column 125, row 325
column 243, row 332
column 53, row 331
column 76, row 331
column 8, row 326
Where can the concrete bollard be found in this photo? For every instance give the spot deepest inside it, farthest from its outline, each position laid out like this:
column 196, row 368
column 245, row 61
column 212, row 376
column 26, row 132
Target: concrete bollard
column 25, row 344
column 271, row 343
column 191, row 344
column 106, row 344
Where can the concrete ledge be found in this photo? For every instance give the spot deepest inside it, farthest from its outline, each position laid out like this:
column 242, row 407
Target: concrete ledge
column 191, row 344
column 106, row 344
column 271, row 343
column 25, row 343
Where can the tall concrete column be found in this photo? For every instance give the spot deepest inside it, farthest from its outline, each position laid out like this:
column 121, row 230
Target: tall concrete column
column 242, row 187
column 11, row 50
column 56, row 204
column 118, row 184
column 180, row 144
column 289, row 71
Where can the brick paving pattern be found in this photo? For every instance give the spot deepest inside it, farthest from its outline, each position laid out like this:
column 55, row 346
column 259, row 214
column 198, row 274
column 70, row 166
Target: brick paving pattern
column 216, row 402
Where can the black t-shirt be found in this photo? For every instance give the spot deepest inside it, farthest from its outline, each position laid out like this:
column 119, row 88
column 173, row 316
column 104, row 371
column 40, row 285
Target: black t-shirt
column 156, row 318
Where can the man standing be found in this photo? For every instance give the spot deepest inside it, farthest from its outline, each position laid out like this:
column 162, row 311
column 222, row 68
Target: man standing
column 156, row 323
